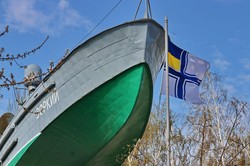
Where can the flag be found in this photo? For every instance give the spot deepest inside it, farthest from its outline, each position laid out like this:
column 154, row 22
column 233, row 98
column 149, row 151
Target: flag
column 186, row 72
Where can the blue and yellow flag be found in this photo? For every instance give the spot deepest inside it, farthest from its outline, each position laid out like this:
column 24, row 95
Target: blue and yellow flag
column 185, row 74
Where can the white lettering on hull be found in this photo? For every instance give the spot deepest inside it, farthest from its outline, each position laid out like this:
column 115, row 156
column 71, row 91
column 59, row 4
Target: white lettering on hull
column 47, row 104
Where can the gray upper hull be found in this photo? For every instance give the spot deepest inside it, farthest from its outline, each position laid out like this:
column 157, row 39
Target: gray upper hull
column 88, row 66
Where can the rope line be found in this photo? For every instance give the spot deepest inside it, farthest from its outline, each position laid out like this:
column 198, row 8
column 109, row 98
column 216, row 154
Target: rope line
column 98, row 24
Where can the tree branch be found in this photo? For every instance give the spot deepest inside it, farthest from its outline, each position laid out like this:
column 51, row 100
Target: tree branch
column 5, row 31
column 9, row 57
column 233, row 127
column 244, row 147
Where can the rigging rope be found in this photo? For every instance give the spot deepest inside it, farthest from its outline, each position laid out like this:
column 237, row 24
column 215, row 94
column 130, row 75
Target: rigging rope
column 91, row 30
column 137, row 9
column 149, row 8
column 98, row 24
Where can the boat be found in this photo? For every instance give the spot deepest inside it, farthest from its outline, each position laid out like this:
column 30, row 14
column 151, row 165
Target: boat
column 92, row 105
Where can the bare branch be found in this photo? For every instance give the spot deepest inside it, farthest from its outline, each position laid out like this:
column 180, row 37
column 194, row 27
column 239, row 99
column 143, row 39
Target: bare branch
column 243, row 148
column 9, row 57
column 5, row 31
column 8, row 81
column 11, row 82
column 237, row 116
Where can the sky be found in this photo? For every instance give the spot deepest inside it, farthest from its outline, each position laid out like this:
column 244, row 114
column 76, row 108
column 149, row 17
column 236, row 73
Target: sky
column 217, row 31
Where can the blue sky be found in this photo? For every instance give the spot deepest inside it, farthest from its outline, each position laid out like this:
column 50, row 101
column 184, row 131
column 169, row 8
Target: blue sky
column 214, row 30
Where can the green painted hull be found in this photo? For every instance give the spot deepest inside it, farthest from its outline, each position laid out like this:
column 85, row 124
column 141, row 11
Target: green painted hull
column 96, row 129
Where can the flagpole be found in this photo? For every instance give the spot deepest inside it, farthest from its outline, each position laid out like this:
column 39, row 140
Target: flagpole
column 167, row 94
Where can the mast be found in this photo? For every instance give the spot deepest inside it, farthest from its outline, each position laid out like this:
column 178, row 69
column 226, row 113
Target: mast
column 148, row 13
column 167, row 94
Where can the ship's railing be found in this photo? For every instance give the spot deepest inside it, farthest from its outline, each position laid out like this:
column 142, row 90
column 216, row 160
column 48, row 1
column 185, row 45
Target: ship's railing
column 16, row 121
column 8, row 151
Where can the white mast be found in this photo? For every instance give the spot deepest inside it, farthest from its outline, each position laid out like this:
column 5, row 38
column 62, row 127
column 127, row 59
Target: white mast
column 167, row 94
